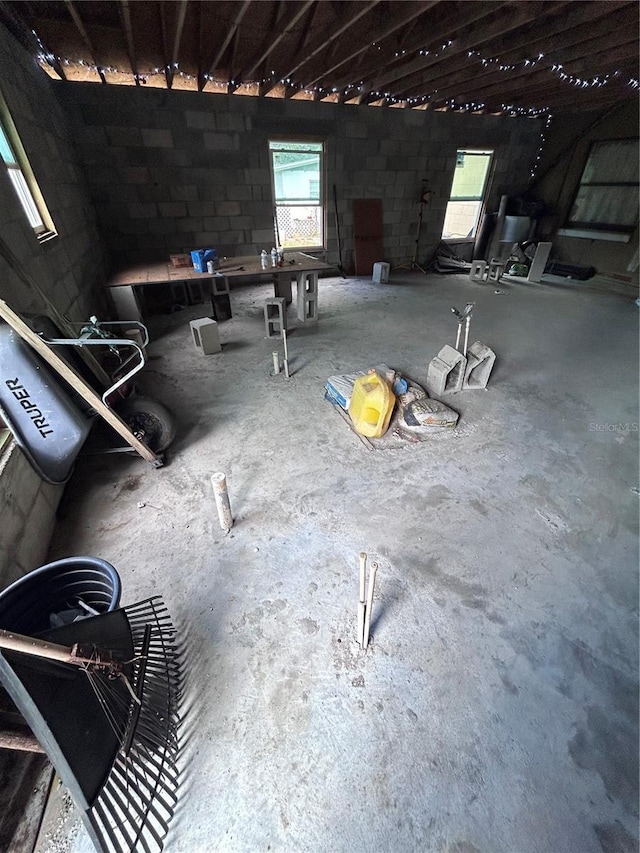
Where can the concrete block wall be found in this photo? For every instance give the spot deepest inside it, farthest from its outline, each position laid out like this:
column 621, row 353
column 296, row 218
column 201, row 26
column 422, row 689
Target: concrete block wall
column 27, row 507
column 169, row 171
column 69, row 268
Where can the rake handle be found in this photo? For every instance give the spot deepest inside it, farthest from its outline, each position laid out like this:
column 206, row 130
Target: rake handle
column 76, row 654
column 38, row 648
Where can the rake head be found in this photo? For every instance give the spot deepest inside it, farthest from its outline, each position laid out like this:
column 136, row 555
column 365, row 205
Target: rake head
column 112, row 738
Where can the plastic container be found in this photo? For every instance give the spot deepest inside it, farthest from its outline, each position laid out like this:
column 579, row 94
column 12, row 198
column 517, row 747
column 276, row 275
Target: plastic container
column 263, row 259
column 27, row 604
column 371, row 405
column 274, row 257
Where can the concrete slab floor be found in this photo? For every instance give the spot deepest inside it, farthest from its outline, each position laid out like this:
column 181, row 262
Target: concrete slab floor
column 497, row 707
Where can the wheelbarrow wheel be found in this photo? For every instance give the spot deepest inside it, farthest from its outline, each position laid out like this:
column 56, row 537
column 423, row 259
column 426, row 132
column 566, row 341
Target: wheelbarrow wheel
column 150, row 422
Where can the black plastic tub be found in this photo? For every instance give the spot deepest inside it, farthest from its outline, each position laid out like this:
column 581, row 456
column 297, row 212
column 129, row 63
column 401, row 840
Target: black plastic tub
column 27, row 604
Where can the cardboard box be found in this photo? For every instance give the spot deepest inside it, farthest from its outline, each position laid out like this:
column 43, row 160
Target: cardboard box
column 180, row 260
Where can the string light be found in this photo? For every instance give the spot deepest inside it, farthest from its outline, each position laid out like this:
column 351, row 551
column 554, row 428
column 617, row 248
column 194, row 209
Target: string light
column 543, row 139
column 352, row 90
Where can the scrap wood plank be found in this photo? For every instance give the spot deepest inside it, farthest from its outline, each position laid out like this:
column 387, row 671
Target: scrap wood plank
column 76, row 382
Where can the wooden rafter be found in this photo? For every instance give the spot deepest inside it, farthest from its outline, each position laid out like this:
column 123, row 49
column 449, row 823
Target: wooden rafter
column 508, row 49
column 473, row 37
column 307, row 28
column 216, row 58
column 177, row 35
column 336, row 32
column 597, row 53
column 233, row 49
column 278, row 11
column 125, row 18
column 85, row 37
column 377, row 36
column 435, row 35
column 30, row 38
column 171, row 39
column 276, row 40
column 356, row 50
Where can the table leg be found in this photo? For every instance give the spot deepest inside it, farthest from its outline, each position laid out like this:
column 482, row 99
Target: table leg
column 126, row 302
column 282, row 286
column 307, row 296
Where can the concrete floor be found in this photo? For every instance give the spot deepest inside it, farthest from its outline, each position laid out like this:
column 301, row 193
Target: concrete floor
column 497, row 708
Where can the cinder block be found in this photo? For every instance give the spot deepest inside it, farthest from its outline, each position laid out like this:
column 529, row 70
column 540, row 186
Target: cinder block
column 381, row 273
column 205, row 335
column 220, row 285
column 446, row 372
column 307, row 296
column 477, row 271
column 282, row 286
column 480, row 361
column 496, row 268
column 157, row 138
column 275, row 316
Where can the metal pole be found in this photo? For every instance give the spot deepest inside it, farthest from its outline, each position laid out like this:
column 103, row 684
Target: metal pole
column 361, row 599
column 367, row 617
column 466, row 333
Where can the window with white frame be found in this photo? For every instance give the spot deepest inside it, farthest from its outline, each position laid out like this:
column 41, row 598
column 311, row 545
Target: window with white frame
column 606, row 202
column 467, row 194
column 22, row 178
column 297, row 175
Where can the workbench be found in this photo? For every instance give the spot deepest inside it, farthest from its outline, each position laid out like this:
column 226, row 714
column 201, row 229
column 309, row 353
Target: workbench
column 126, row 285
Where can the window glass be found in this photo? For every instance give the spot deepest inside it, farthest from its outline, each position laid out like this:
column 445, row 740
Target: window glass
column 22, row 178
column 467, row 194
column 607, row 195
column 297, row 179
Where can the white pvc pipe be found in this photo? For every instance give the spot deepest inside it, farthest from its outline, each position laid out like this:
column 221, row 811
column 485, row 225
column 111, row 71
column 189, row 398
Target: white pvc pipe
column 276, row 362
column 219, row 483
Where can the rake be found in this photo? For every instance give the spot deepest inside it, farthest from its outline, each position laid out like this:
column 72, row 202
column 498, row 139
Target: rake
column 102, row 697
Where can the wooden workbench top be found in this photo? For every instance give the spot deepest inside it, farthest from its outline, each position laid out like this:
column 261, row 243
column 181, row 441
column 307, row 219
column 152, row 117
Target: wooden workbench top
column 245, row 265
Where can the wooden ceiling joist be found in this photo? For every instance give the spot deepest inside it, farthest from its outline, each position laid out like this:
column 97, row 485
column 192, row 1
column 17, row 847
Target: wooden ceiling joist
column 428, row 35
column 596, row 53
column 442, row 54
column 352, row 16
column 171, row 37
column 474, row 37
column 216, row 58
column 276, row 40
column 533, row 78
column 125, row 17
column 377, row 36
column 85, row 37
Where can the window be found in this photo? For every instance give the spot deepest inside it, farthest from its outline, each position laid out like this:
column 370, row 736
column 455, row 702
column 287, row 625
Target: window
column 297, row 173
column 467, row 194
column 22, row 178
column 606, row 202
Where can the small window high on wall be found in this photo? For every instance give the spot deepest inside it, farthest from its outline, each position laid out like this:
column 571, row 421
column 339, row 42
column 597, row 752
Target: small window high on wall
column 297, row 174
column 22, row 177
column 467, row 194
column 606, row 202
